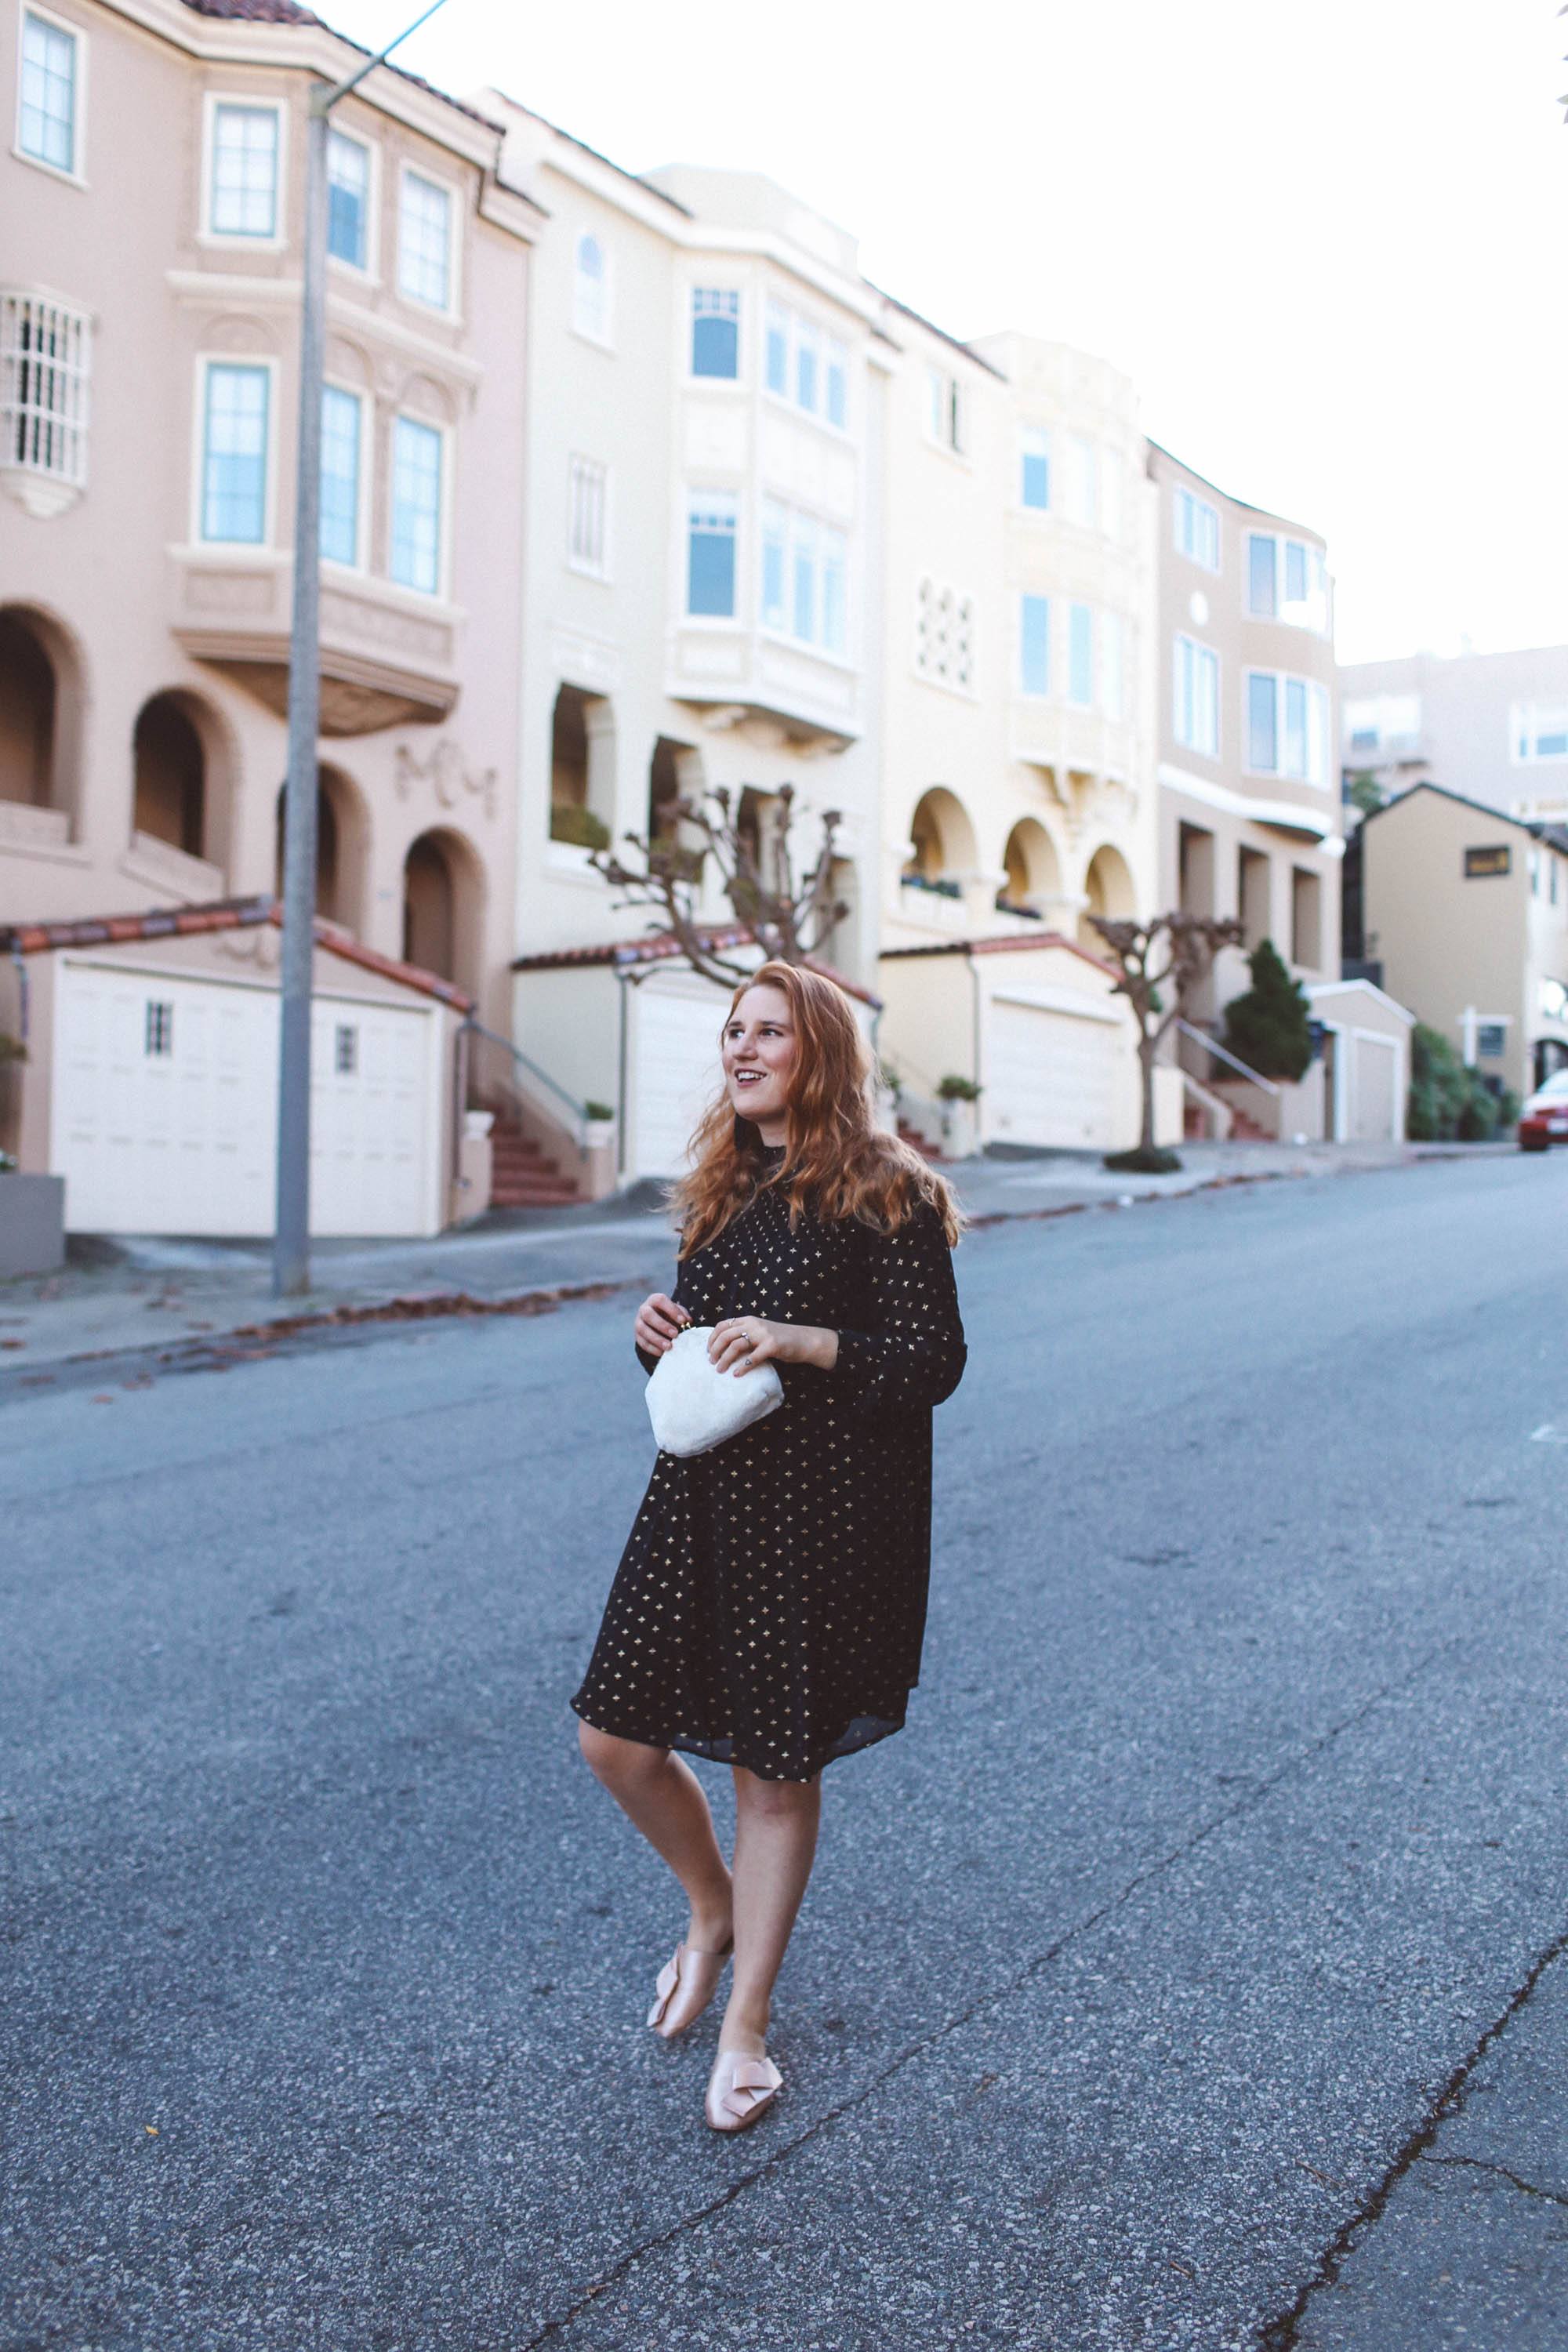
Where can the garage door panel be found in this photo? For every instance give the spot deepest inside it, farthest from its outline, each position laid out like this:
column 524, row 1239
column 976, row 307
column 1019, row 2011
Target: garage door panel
column 1052, row 1078
column 183, row 1141
column 677, row 1071
column 1374, row 1064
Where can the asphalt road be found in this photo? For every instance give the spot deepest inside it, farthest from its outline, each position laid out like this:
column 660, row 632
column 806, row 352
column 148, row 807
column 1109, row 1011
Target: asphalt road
column 1190, row 1974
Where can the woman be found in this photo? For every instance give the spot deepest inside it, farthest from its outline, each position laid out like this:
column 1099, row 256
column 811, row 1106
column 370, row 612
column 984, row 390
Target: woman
column 770, row 1605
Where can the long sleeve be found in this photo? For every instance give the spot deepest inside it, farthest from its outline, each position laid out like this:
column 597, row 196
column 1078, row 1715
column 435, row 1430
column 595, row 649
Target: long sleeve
column 910, row 1351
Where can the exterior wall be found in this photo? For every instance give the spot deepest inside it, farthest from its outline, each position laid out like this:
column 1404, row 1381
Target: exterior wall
column 418, row 701
column 1457, row 720
column 1360, row 1016
column 740, row 704
column 1457, row 949
column 1277, row 829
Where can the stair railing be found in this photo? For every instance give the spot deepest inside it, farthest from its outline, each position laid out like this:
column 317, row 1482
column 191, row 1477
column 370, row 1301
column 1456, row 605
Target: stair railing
column 1223, row 1054
column 577, row 1112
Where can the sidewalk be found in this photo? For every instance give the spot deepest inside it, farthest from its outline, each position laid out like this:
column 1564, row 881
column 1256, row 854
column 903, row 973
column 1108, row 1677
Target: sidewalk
column 123, row 1294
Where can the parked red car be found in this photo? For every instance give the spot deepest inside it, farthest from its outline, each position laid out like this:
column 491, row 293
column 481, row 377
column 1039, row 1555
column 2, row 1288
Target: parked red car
column 1545, row 1118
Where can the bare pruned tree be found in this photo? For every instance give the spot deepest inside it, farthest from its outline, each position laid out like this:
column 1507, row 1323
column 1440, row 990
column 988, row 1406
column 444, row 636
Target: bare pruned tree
column 790, row 915
column 1158, row 999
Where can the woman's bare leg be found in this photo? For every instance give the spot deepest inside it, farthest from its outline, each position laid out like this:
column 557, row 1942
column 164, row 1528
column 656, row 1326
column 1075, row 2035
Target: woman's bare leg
column 659, row 1792
column 775, row 1844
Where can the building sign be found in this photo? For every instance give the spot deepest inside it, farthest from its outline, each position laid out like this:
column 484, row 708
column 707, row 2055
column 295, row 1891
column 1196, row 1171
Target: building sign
column 1498, row 860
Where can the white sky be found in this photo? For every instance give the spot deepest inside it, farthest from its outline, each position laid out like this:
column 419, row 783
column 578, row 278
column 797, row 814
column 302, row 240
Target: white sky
column 1324, row 237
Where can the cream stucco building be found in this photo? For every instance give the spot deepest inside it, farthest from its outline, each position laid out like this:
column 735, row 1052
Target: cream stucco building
column 149, row 326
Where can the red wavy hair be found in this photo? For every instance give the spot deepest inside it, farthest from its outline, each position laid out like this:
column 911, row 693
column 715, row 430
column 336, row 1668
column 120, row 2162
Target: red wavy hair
column 837, row 1162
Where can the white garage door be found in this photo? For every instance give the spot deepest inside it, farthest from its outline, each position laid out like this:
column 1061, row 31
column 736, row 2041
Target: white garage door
column 164, row 1108
column 1374, row 1070
column 676, row 1067
column 1051, row 1077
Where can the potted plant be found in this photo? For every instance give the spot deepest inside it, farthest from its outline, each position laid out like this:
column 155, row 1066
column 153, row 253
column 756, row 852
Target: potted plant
column 960, row 1120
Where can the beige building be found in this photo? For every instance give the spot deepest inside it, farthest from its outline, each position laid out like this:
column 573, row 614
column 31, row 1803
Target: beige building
column 1249, row 800
column 1462, row 913
column 1493, row 726
column 149, row 325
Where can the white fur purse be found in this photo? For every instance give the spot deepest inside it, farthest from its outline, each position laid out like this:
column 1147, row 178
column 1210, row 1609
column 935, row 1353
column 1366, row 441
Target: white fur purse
column 694, row 1407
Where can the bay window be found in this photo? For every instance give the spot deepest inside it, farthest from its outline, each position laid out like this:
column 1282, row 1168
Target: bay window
column 1195, row 671
column 804, row 586
column 341, row 430
column 243, row 174
column 1287, row 727
column 1035, row 645
column 711, row 527
column 1034, row 469
column 715, row 333
column 1196, row 528
column 1287, row 580
column 348, row 199
column 236, row 403
column 1080, row 655
column 425, row 242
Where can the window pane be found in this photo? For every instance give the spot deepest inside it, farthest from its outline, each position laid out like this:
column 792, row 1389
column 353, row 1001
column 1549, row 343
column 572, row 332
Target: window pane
column 1035, row 487
column 348, row 199
column 340, row 476
column 590, row 304
column 424, row 261
column 234, row 455
column 1295, row 572
column 1080, row 654
column 711, row 558
column 416, row 505
column 245, row 171
column 1295, row 728
column 835, row 591
column 804, row 582
column 715, row 333
column 936, row 404
column 1207, row 676
column 585, row 519
column 1260, row 595
column 1035, row 645
column 837, row 385
column 775, row 532
column 806, row 367
column 778, row 348
column 47, row 117
column 1262, row 726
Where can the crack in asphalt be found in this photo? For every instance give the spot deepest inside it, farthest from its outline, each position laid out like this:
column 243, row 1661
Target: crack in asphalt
column 1482, row 2164
column 686, row 2224
column 1282, row 2334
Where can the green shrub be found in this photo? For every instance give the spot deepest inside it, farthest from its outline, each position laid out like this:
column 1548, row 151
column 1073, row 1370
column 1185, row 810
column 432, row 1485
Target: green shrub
column 1448, row 1102
column 597, row 1110
column 580, row 826
column 956, row 1089
column 1266, row 1028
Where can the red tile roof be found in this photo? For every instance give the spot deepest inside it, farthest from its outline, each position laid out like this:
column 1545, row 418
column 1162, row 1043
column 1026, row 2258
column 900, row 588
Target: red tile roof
column 1007, row 944
column 219, row 914
column 663, row 947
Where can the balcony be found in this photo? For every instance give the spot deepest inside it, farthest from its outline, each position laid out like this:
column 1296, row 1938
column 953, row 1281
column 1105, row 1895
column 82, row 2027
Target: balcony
column 746, row 677
column 1054, row 735
column 387, row 659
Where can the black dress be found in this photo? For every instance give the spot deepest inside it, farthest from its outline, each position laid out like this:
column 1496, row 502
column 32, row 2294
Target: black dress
column 770, row 1604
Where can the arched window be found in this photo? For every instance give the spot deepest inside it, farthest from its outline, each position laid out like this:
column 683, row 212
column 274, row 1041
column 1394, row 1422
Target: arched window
column 582, row 768
column 443, row 907
column 170, row 776
column 591, row 293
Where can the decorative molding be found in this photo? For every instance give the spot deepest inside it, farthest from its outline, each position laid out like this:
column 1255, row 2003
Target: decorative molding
column 445, row 774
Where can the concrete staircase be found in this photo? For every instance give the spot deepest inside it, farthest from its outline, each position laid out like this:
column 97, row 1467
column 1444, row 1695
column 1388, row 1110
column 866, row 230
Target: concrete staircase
column 917, row 1142
column 522, row 1177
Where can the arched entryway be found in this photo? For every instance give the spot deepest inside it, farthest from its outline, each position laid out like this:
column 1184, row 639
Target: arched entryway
column 942, row 843
column 582, row 768
column 170, row 776
column 40, row 708
column 443, row 907
column 342, row 843
column 1107, row 891
column 1033, row 871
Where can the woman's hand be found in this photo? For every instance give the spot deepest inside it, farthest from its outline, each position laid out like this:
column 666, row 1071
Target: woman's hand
column 741, row 1342
column 658, row 1321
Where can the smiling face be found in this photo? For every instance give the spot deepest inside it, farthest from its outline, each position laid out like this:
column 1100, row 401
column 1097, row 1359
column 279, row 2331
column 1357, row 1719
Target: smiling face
column 758, row 1050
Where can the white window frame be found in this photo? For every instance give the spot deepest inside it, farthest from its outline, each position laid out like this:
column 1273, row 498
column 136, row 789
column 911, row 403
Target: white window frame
column 945, row 388
column 452, row 309
column 357, row 392
column 1183, row 490
column 1074, row 700
column 76, row 176
column 602, row 336
column 232, row 240
column 1317, row 696
column 736, row 293
column 441, row 593
column 796, row 325
column 1027, row 596
column 1208, row 654
column 1045, row 452
column 49, row 487
column 695, row 494
column 579, row 466
column 239, row 549
column 1078, row 448
column 370, row 274
column 1111, row 667
column 1525, row 720
column 1316, row 566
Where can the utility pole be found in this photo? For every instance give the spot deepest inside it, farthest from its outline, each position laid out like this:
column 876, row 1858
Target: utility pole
column 291, row 1233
